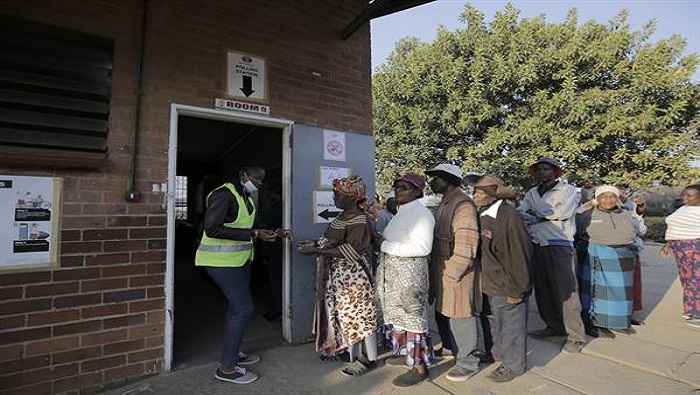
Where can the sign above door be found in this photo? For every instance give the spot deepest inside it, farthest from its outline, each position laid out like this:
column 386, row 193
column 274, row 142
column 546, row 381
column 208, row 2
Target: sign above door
column 246, row 76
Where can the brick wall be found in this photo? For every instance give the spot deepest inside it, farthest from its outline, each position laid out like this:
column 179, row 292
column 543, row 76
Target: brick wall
column 98, row 320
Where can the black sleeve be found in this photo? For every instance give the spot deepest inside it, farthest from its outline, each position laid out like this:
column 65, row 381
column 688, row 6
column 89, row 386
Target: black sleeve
column 222, row 207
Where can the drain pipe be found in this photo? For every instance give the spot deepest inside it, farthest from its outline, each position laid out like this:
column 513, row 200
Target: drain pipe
column 132, row 194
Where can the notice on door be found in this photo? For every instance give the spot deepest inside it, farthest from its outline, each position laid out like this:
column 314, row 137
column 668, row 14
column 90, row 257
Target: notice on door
column 29, row 226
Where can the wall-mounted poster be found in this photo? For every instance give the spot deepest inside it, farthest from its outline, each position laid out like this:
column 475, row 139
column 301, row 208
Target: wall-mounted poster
column 329, row 173
column 334, row 145
column 29, row 222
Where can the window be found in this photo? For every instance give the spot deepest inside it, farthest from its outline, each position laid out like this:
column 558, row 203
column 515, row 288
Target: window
column 55, row 90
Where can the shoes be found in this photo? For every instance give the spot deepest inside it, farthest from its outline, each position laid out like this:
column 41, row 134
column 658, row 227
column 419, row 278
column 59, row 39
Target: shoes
column 627, row 331
column 460, row 373
column 484, row 357
column 341, row 357
column 247, row 359
column 410, row 378
column 637, row 322
column 396, row 360
column 694, row 322
column 592, row 330
column 546, row 332
column 605, row 333
column 358, row 368
column 573, row 347
column 443, row 353
column 502, row 374
column 239, row 375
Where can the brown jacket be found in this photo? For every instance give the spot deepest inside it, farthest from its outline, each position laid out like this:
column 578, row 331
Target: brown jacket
column 454, row 270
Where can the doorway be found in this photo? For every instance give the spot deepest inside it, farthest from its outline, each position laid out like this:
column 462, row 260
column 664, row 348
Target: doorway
column 205, row 145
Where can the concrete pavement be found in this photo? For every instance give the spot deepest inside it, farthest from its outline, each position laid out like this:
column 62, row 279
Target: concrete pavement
column 662, row 358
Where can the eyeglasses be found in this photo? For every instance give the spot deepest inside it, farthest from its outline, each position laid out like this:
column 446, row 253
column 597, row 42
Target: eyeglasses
column 402, row 188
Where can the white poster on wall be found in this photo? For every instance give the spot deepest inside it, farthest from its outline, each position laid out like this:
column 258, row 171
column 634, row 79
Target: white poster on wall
column 329, row 173
column 324, row 207
column 333, row 145
column 28, row 221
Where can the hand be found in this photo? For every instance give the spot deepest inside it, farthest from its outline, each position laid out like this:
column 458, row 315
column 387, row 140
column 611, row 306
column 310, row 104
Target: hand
column 285, row 234
column 307, row 247
column 517, row 300
column 666, row 251
column 267, row 234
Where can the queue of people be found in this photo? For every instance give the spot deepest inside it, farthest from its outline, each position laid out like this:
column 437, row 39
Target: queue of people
column 468, row 257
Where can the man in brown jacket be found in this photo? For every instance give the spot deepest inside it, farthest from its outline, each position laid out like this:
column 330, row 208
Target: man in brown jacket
column 454, row 271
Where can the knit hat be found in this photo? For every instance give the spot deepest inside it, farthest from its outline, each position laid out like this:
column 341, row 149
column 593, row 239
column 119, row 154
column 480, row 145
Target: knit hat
column 494, row 187
column 601, row 189
column 448, row 172
column 413, row 179
column 532, row 170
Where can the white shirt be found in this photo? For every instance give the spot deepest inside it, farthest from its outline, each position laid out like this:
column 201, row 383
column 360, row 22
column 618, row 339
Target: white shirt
column 410, row 231
column 683, row 224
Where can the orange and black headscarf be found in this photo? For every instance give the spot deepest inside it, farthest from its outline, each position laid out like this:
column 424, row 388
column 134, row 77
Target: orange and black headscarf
column 355, row 187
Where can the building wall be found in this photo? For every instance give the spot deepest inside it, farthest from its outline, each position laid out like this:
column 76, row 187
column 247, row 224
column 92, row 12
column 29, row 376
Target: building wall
column 98, row 319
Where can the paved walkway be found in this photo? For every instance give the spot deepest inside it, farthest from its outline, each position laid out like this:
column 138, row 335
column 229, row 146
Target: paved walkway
column 662, row 358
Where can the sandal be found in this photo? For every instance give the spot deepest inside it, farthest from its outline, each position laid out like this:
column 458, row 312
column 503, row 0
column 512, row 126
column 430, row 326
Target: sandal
column 325, row 358
column 358, row 368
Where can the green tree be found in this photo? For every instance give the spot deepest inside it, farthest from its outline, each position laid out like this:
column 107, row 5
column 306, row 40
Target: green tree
column 603, row 99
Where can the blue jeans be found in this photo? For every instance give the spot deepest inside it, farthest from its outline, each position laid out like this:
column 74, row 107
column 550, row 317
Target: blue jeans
column 234, row 282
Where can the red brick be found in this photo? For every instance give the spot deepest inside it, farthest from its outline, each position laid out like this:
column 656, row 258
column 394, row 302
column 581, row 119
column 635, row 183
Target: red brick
column 24, row 306
column 123, row 270
column 77, row 300
column 80, row 381
column 154, row 268
column 70, row 235
column 155, row 292
column 76, row 274
column 153, row 342
column 104, row 310
column 157, row 244
column 72, row 261
column 131, row 245
column 154, row 317
column 142, row 281
column 80, row 247
column 46, row 374
column 157, row 220
column 106, row 259
column 49, row 346
column 36, row 389
column 52, row 317
column 12, row 322
column 138, row 332
column 24, row 278
column 102, row 284
column 82, row 222
column 126, row 220
column 76, row 355
column 104, row 337
column 102, row 363
column 11, row 293
column 124, row 295
column 22, row 364
column 78, row 327
column 14, row 351
column 145, row 355
column 123, row 373
column 34, row 291
column 104, row 234
column 128, row 320
column 146, row 305
column 104, row 209
column 147, row 233
column 148, row 256
column 124, row 347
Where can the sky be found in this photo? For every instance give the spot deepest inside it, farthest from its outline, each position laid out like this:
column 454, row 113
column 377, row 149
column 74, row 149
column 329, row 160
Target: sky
column 672, row 17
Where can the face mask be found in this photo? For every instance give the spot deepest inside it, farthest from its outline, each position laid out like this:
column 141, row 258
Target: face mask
column 248, row 185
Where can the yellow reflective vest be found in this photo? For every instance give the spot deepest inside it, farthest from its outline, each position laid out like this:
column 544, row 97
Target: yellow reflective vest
column 223, row 252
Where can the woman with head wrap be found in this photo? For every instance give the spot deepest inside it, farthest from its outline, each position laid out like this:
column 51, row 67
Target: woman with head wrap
column 402, row 280
column 607, row 276
column 345, row 313
column 505, row 255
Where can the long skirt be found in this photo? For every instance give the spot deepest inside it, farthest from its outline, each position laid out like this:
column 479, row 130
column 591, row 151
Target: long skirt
column 345, row 305
column 611, row 290
column 402, row 294
column 687, row 253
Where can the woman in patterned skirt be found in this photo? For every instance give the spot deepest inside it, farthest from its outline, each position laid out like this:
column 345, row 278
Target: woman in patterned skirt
column 345, row 313
column 402, row 279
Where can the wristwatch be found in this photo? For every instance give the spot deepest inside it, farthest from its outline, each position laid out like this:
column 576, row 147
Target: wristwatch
column 255, row 234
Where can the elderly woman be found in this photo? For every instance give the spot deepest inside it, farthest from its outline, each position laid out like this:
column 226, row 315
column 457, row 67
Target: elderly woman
column 610, row 232
column 345, row 313
column 402, row 279
column 505, row 258
column 683, row 239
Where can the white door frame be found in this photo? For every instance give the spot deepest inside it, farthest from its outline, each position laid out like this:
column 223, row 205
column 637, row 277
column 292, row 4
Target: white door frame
column 228, row 116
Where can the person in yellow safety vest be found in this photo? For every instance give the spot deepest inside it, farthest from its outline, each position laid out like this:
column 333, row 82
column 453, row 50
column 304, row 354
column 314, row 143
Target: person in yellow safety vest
column 226, row 251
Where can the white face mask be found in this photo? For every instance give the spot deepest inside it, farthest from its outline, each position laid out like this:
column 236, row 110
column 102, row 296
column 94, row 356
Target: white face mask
column 248, row 185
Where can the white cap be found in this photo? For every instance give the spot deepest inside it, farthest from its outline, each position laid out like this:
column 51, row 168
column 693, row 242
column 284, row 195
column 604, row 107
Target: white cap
column 448, row 169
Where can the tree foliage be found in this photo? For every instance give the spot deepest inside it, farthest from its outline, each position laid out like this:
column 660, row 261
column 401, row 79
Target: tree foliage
column 603, row 99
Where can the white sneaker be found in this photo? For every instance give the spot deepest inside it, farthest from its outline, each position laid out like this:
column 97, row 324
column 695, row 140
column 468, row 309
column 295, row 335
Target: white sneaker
column 239, row 375
column 247, row 359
